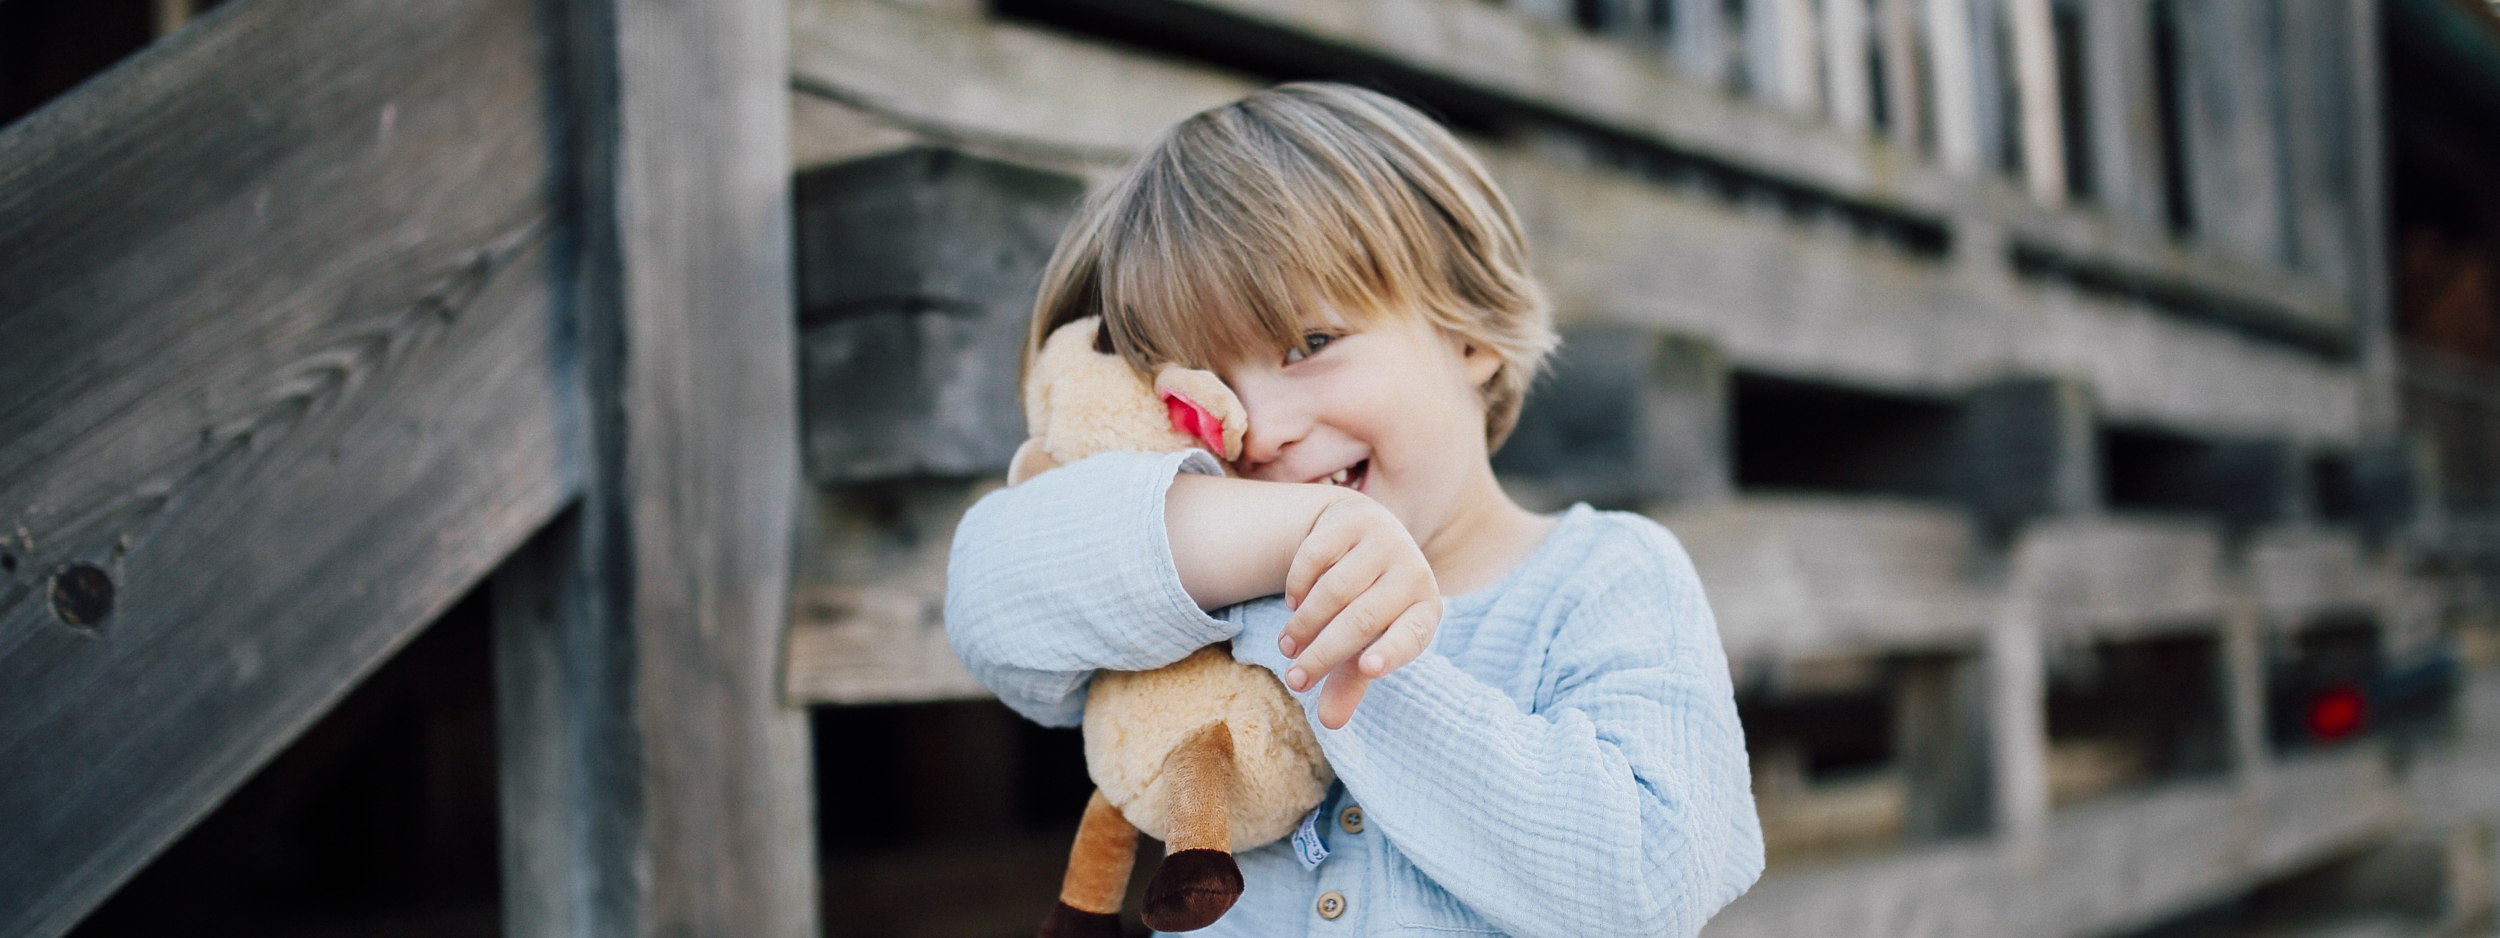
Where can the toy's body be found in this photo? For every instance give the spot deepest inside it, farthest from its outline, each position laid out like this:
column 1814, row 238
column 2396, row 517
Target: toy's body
column 1203, row 754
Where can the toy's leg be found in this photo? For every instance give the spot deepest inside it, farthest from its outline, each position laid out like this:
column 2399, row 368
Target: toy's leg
column 1098, row 868
column 1198, row 880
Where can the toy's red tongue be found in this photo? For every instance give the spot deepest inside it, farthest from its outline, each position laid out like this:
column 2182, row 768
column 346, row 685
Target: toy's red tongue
column 1189, row 418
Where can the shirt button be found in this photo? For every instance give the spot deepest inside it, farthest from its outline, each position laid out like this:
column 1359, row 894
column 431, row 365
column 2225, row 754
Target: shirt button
column 1331, row 905
column 1350, row 820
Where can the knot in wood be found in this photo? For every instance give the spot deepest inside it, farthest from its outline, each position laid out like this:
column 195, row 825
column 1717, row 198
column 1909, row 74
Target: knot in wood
column 82, row 595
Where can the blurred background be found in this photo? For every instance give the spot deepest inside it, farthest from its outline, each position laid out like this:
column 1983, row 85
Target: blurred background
column 2084, row 414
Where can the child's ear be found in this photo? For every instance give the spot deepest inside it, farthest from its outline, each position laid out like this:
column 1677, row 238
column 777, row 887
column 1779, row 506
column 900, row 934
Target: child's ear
column 1481, row 361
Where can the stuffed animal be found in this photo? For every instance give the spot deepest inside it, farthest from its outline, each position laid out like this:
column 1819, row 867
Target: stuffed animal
column 1205, row 754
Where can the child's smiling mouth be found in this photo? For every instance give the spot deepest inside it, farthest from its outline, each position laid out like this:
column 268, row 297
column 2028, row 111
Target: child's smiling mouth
column 1351, row 477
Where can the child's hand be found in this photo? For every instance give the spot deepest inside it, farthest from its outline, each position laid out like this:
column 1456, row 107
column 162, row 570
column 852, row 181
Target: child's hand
column 1364, row 600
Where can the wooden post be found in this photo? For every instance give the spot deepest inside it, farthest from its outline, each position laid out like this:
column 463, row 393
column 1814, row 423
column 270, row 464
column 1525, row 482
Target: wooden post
column 2368, row 235
column 1990, row 82
column 1957, row 103
column 2241, row 673
column 2018, row 725
column 285, row 380
column 669, row 791
column 2043, row 132
column 1551, row 11
column 1941, row 738
column 1905, row 99
column 1845, row 57
column 1700, row 49
column 1797, row 58
column 2317, row 139
column 2029, row 450
column 2232, row 123
column 2125, row 108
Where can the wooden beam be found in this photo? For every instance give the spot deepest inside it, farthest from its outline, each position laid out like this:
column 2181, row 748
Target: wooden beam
column 2125, row 110
column 677, row 799
column 2231, row 119
column 1940, row 730
column 1701, row 42
column 1905, row 96
column 1949, row 56
column 274, row 401
column 2035, row 83
column 1799, row 58
column 1991, row 84
column 2115, row 865
column 1847, row 46
column 1769, row 292
column 2371, row 218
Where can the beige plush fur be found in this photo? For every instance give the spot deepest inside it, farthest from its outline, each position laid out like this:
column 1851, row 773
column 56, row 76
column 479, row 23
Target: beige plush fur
column 1080, row 401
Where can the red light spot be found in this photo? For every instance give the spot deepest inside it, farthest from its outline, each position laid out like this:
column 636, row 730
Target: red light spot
column 2336, row 713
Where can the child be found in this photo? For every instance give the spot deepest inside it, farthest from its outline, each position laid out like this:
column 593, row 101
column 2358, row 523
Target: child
column 1547, row 742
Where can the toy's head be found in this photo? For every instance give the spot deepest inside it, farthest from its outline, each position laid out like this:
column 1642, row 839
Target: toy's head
column 1081, row 399
column 1232, row 228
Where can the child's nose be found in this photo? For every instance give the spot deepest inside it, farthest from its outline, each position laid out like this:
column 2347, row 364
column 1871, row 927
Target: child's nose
column 1275, row 425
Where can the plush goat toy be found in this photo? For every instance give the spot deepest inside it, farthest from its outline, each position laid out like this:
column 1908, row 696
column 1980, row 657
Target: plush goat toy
column 1205, row 754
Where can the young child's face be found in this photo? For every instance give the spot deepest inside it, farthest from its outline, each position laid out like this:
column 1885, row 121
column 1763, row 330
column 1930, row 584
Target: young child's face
column 1388, row 408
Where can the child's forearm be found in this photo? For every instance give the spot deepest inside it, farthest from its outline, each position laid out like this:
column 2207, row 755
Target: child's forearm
column 1233, row 540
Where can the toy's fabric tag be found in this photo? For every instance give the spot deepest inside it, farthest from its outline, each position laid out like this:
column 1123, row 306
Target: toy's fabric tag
column 1307, row 847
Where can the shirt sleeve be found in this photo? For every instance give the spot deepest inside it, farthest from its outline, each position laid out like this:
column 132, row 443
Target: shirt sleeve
column 1621, row 804
column 1069, row 573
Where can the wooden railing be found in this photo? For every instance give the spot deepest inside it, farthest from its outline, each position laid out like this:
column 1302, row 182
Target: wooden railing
column 314, row 314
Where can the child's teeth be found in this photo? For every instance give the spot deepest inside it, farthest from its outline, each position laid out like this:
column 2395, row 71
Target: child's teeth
column 1338, row 478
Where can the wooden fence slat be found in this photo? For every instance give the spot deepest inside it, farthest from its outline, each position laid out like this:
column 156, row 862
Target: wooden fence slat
column 2232, row 124
column 1957, row 101
column 1846, row 52
column 1701, row 41
column 2035, row 83
column 283, row 383
column 2125, row 114
column 1905, row 98
column 678, row 802
column 2318, row 142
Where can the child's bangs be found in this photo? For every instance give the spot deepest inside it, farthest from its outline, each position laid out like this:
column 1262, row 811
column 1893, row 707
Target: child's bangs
column 1216, row 297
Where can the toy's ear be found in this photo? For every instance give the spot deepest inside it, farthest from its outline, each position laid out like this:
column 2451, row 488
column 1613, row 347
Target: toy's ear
column 1201, row 406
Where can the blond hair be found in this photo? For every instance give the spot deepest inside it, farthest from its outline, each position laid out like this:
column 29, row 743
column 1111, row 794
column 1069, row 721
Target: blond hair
column 1239, row 222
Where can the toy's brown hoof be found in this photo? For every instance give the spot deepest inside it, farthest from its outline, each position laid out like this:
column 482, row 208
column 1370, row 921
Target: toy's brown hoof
column 1065, row 921
column 1191, row 890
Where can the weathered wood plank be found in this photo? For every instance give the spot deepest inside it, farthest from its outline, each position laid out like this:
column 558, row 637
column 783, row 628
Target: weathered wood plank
column 1905, row 96
column 1495, row 60
column 867, row 617
column 1701, row 42
column 2235, row 160
column 1991, row 84
column 2125, row 118
column 2110, row 866
column 1949, row 58
column 2042, row 133
column 681, row 798
column 1847, row 50
column 269, row 390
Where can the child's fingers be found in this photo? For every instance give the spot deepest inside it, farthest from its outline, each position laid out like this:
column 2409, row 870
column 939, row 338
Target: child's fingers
column 1350, row 577
column 1348, row 632
column 1319, row 552
column 1338, row 697
column 1404, row 641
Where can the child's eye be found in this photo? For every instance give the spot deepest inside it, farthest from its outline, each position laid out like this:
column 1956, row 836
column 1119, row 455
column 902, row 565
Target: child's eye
column 1311, row 344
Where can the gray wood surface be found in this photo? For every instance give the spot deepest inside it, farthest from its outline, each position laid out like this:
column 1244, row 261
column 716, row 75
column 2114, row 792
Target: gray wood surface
column 2124, row 119
column 644, row 648
column 2232, row 120
column 2119, row 863
column 1799, row 297
column 275, row 312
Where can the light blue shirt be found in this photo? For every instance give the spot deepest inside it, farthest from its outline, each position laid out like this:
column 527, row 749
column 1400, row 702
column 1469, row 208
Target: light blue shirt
column 1564, row 760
